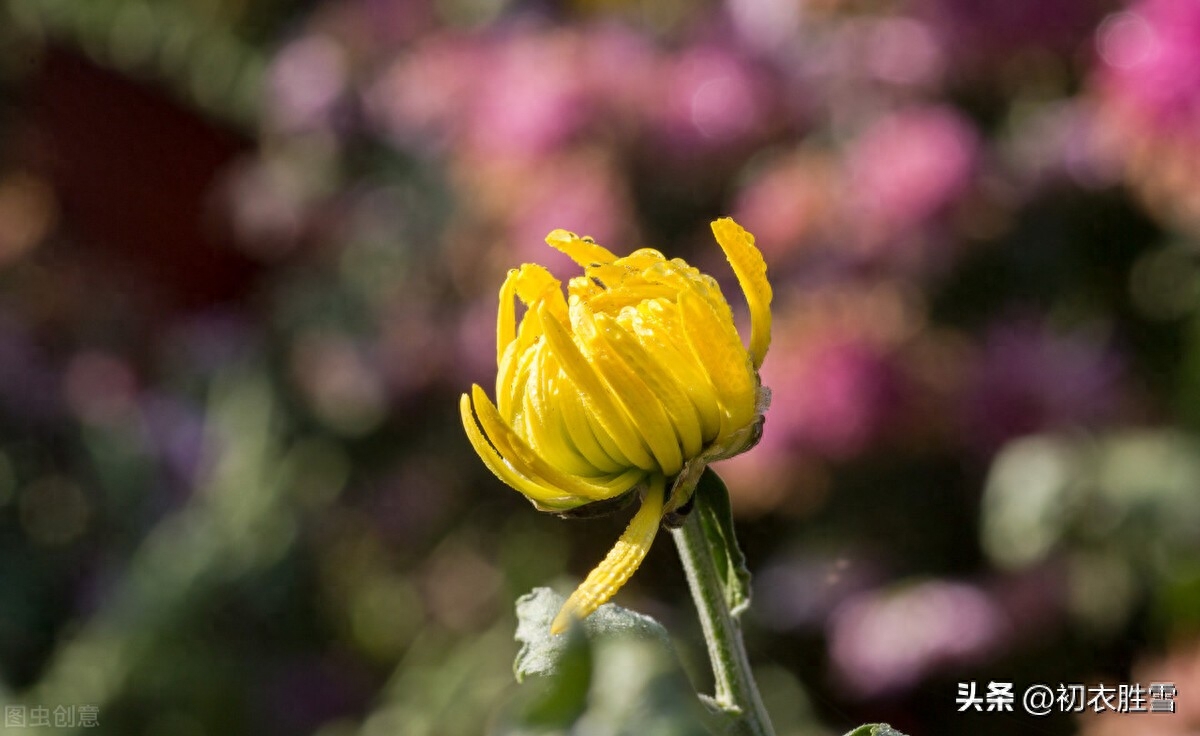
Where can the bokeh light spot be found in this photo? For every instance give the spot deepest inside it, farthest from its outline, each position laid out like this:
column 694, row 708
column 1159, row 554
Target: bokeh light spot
column 1125, row 40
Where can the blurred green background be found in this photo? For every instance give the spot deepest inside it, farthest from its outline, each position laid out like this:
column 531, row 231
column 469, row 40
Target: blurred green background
column 249, row 256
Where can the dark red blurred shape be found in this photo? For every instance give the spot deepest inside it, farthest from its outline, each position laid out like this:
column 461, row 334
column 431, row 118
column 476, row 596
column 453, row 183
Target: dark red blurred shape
column 134, row 172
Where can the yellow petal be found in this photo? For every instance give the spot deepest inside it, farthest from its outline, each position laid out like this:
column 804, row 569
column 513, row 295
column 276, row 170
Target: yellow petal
column 641, row 259
column 513, row 370
column 536, row 286
column 658, row 327
column 602, row 437
column 751, row 271
column 653, row 424
column 622, row 561
column 543, row 423
column 575, row 419
column 716, row 346
column 605, row 410
column 685, row 422
column 543, row 497
column 525, row 460
column 547, row 434
column 506, row 316
column 583, row 251
column 512, row 379
column 609, row 275
column 612, row 301
column 583, row 287
column 533, row 281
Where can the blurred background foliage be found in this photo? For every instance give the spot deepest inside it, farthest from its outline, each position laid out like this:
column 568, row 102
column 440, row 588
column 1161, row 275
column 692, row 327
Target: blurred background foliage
column 249, row 253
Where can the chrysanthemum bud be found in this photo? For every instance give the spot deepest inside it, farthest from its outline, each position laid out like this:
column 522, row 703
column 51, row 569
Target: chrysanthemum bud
column 636, row 376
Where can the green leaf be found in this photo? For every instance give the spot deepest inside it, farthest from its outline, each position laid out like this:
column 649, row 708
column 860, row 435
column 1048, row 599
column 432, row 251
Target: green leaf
column 875, row 729
column 558, row 700
column 614, row 674
column 541, row 652
column 716, row 517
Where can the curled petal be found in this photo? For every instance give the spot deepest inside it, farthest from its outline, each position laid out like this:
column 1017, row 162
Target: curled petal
column 622, row 561
column 642, row 259
column 536, row 286
column 542, row 496
column 583, row 251
column 523, row 458
column 506, row 317
column 751, row 271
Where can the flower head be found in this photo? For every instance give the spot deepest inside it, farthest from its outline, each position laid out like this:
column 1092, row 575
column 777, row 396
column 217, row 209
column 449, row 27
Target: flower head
column 637, row 375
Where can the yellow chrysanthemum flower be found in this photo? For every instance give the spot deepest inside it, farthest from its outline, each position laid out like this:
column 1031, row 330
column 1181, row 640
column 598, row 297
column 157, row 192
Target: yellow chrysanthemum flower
column 636, row 377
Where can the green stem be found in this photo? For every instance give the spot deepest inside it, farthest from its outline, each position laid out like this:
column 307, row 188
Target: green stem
column 736, row 692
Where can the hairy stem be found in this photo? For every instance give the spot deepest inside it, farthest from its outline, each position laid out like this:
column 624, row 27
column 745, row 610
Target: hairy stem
column 736, row 691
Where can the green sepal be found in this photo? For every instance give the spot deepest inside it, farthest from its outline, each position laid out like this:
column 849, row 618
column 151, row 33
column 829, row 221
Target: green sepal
column 602, row 508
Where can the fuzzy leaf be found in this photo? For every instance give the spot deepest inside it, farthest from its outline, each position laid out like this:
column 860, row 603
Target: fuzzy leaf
column 875, row 729
column 716, row 516
column 541, row 652
column 613, row 674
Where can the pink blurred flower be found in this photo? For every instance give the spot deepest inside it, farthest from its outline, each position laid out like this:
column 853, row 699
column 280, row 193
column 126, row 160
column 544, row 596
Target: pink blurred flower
column 516, row 95
column 711, row 97
column 531, row 91
column 268, row 203
column 529, row 98
column 888, row 640
column 421, row 97
column 1150, row 66
column 894, row 50
column 831, row 396
column 1147, row 85
column 766, row 24
column 789, row 202
column 621, row 69
column 907, row 168
column 304, row 82
column 902, row 51
column 389, row 23
column 582, row 194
